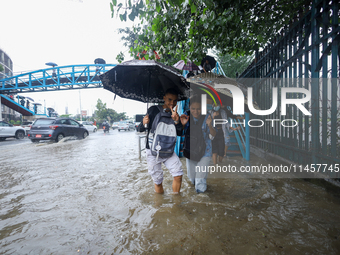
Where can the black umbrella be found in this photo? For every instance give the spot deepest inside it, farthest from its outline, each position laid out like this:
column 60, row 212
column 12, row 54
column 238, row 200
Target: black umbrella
column 144, row 80
column 51, row 64
column 211, row 60
column 30, row 99
column 99, row 61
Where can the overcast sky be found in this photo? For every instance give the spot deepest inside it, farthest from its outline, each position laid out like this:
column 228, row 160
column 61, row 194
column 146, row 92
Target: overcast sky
column 66, row 32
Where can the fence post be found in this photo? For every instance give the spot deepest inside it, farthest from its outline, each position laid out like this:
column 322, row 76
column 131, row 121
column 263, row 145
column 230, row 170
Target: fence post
column 139, row 147
column 247, row 137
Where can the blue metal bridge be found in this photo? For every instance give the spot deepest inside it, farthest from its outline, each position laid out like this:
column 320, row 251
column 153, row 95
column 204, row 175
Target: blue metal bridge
column 56, row 78
column 49, row 79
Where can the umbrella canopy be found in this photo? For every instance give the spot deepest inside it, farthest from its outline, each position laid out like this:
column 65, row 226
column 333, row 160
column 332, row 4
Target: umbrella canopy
column 99, row 61
column 144, row 80
column 190, row 66
column 30, row 98
column 51, row 64
column 211, row 60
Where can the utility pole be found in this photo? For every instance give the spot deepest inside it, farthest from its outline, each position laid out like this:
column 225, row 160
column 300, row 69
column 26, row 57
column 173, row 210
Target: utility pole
column 81, row 117
column 0, row 109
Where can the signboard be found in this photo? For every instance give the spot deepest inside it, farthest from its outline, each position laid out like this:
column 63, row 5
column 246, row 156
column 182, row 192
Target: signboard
column 83, row 112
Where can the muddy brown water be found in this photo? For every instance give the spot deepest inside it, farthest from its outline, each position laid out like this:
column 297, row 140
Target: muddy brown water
column 94, row 196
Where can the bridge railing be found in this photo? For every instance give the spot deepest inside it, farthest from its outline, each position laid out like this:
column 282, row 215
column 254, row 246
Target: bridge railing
column 52, row 78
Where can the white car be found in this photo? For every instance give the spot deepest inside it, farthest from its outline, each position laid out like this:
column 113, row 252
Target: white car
column 27, row 125
column 89, row 126
column 124, row 125
column 115, row 125
column 8, row 130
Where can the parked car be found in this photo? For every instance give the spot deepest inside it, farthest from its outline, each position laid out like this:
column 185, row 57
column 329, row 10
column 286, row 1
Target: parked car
column 125, row 125
column 26, row 125
column 89, row 126
column 115, row 125
column 8, row 130
column 136, row 125
column 56, row 129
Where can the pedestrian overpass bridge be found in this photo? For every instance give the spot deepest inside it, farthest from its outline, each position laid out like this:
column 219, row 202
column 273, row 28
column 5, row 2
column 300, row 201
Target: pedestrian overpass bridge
column 56, row 78
column 50, row 79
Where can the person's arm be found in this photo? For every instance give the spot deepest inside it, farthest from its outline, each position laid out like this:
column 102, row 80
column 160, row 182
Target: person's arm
column 212, row 131
column 179, row 129
column 146, row 120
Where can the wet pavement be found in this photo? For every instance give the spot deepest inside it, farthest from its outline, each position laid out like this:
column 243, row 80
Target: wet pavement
column 94, row 196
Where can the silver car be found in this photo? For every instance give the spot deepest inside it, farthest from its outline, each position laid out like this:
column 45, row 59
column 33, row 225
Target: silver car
column 8, row 130
column 125, row 125
column 89, row 126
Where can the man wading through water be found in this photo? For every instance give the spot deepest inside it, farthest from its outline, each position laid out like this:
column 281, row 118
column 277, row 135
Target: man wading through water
column 172, row 162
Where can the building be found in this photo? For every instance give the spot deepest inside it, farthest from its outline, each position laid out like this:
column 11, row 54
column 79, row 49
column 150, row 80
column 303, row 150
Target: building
column 6, row 70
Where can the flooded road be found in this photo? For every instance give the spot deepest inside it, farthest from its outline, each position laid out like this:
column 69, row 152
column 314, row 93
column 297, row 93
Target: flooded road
column 94, row 196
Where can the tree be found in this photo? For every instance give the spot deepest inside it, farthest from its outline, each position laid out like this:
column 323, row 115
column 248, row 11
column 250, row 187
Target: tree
column 101, row 110
column 65, row 115
column 186, row 29
column 103, row 113
column 1, row 68
column 232, row 65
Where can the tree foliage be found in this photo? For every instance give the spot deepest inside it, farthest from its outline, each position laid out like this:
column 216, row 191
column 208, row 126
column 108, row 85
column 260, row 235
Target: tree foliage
column 232, row 65
column 103, row 113
column 186, row 29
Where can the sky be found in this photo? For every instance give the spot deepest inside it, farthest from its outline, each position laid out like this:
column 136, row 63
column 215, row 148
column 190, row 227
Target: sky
column 66, row 32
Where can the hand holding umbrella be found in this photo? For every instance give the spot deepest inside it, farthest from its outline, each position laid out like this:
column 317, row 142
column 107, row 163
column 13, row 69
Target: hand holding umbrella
column 146, row 121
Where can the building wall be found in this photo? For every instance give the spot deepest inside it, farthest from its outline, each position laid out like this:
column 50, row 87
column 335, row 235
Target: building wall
column 7, row 64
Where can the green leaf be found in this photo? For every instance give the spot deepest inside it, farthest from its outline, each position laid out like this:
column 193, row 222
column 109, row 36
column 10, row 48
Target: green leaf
column 193, row 8
column 158, row 8
column 111, row 6
column 114, row 2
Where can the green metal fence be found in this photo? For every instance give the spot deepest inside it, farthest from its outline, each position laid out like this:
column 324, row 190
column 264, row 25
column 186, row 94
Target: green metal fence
column 304, row 55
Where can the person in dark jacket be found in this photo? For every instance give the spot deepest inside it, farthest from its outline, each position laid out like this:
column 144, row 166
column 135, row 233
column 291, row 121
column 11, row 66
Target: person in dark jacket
column 201, row 127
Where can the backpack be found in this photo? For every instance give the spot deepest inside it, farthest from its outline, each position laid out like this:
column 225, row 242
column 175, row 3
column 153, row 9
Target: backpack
column 194, row 143
column 163, row 135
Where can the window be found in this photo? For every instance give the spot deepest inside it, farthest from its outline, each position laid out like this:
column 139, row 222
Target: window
column 64, row 122
column 43, row 122
column 73, row 123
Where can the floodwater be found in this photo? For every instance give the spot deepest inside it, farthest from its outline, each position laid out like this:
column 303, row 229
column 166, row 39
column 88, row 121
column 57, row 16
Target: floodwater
column 94, row 196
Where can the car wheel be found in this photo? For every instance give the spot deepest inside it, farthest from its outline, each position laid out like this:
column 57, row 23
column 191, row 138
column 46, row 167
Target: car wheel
column 85, row 134
column 35, row 141
column 118, row 130
column 2, row 138
column 20, row 134
column 59, row 137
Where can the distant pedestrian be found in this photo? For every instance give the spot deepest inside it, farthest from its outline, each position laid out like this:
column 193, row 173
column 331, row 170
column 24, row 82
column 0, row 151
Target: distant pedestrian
column 207, row 66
